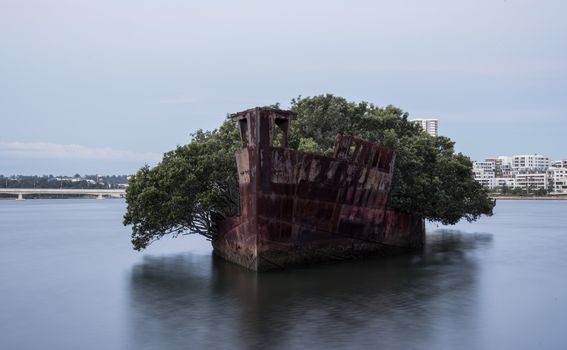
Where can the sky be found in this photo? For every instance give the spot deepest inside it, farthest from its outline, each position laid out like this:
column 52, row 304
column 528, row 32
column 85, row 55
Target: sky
column 106, row 86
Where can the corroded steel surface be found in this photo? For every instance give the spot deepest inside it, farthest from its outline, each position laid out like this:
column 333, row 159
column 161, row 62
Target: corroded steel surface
column 300, row 207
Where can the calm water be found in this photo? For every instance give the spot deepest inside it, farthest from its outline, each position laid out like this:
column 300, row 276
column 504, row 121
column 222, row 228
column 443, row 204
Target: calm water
column 69, row 280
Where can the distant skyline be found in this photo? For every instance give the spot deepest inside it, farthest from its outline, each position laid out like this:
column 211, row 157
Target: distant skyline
column 105, row 86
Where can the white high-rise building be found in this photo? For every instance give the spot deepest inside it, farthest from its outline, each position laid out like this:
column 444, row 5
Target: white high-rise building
column 484, row 173
column 534, row 181
column 529, row 172
column 509, row 182
column 531, row 162
column 486, row 165
column 506, row 161
column 557, row 179
column 431, row 126
column 484, row 177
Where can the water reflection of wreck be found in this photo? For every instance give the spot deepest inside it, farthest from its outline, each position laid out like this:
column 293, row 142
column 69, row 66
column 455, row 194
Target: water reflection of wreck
column 300, row 207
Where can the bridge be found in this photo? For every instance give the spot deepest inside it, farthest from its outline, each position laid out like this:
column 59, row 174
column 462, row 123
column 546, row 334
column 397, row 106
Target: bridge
column 99, row 194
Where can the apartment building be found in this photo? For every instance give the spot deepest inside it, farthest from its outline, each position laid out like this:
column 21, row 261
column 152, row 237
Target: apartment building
column 557, row 178
column 530, row 172
column 431, row 126
column 525, row 162
column 532, row 181
column 484, row 177
column 509, row 182
column 486, row 165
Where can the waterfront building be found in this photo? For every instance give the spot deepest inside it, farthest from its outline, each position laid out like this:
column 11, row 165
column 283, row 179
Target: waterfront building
column 509, row 182
column 505, row 163
column 490, row 181
column 526, row 162
column 487, row 165
column 506, row 160
column 431, row 126
column 530, row 172
column 484, row 177
column 532, row 181
column 496, row 165
column 557, row 178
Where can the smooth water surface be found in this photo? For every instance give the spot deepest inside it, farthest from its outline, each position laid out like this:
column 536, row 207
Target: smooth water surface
column 70, row 280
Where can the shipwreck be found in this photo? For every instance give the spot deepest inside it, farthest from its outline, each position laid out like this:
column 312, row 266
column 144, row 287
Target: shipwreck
column 298, row 208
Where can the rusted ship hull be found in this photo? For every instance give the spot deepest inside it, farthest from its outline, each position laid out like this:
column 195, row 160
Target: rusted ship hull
column 299, row 208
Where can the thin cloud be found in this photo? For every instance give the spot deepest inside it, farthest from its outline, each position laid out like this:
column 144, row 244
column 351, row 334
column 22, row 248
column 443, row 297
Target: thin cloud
column 43, row 150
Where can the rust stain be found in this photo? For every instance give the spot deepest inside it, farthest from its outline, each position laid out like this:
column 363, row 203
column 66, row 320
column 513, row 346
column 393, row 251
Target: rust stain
column 300, row 207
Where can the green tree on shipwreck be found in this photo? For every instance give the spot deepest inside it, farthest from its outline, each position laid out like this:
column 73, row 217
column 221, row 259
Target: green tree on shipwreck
column 195, row 186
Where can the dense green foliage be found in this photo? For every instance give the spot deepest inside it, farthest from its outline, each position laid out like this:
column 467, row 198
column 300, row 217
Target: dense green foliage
column 430, row 179
column 196, row 185
column 189, row 191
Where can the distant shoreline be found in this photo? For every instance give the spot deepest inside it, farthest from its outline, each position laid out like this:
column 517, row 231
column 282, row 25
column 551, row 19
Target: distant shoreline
column 532, row 198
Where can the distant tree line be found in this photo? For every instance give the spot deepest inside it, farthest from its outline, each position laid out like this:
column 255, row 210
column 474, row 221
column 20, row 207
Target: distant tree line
column 65, row 182
column 519, row 191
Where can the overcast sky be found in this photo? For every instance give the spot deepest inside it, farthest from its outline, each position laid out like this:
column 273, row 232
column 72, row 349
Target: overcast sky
column 105, row 86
